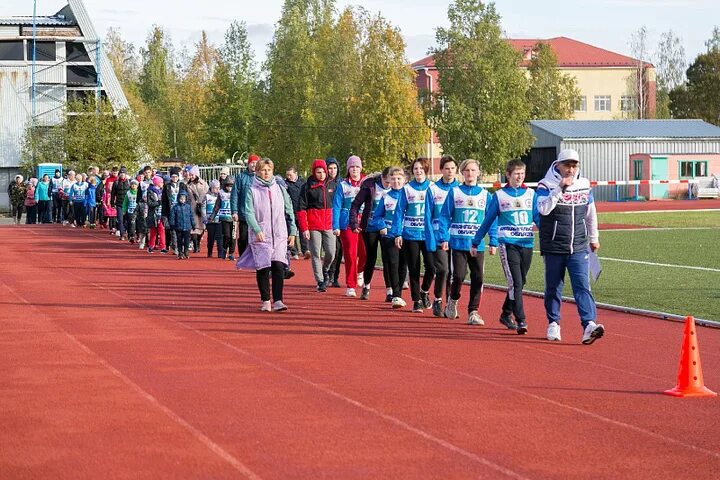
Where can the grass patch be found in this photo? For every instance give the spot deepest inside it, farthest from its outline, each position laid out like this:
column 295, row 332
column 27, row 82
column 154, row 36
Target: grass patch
column 666, row 289
column 664, row 219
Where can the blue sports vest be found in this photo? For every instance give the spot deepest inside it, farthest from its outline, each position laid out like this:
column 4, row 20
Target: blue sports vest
column 515, row 218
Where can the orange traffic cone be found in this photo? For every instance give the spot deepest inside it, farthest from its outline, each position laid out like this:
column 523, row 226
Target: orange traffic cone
column 690, row 378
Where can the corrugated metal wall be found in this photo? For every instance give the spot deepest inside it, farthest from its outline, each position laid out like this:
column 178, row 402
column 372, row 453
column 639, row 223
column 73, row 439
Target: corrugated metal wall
column 15, row 108
column 610, row 159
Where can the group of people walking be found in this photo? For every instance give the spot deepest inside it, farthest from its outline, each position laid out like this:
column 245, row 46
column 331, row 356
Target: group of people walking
column 428, row 233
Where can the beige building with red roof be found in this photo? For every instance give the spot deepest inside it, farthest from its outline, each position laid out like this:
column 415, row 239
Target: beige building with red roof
column 603, row 78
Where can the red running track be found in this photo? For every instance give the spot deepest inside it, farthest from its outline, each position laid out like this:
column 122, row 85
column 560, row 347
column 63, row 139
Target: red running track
column 118, row 364
column 605, row 207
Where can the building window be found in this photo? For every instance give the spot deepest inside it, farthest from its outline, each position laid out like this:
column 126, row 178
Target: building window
column 11, row 51
column 581, row 104
column 81, row 75
column 75, row 52
column 637, row 169
column 44, row 51
column 602, row 103
column 627, row 103
column 693, row 169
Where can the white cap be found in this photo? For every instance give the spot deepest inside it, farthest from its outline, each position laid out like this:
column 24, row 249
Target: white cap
column 568, row 154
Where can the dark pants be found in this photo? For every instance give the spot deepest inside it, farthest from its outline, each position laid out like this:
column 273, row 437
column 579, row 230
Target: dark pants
column 242, row 240
column 130, row 220
column 44, row 211
column 183, row 241
column 18, row 211
column 226, row 239
column 121, row 221
column 442, row 277
column 57, row 208
column 68, row 212
column 92, row 215
column 215, row 237
column 413, row 249
column 461, row 260
column 395, row 266
column 335, row 266
column 577, row 267
column 79, row 213
column 31, row 217
column 372, row 241
column 515, row 261
column 276, row 270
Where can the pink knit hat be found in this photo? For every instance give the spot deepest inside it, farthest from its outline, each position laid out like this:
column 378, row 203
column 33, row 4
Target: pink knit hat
column 157, row 180
column 353, row 161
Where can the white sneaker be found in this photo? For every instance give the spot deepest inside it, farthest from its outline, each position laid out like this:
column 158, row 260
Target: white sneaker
column 398, row 302
column 361, row 280
column 266, row 306
column 117, row 233
column 553, row 332
column 475, row 319
column 350, row 292
column 451, row 309
column 279, row 306
column 593, row 331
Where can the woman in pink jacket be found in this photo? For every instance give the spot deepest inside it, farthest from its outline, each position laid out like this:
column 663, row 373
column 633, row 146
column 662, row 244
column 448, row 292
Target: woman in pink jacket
column 271, row 228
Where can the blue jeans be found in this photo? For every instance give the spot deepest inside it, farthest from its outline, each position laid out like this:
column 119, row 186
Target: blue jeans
column 577, row 266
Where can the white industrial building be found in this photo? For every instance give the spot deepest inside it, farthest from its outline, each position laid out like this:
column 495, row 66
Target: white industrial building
column 605, row 146
column 44, row 61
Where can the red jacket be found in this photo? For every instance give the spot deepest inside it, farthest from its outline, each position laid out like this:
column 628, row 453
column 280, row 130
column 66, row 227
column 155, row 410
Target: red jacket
column 316, row 198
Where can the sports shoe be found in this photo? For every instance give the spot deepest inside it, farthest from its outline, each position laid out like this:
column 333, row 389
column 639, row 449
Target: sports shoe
column 475, row 319
column 553, row 332
column 266, row 306
column 365, row 293
column 307, row 255
column 321, row 287
column 451, row 309
column 231, row 257
column 117, row 233
column 437, row 309
column 417, row 306
column 150, row 250
column 279, row 306
column 350, row 292
column 164, row 250
column 593, row 331
column 398, row 302
column 361, row 279
column 388, row 298
column 425, row 299
column 522, row 328
column 508, row 322
column 289, row 274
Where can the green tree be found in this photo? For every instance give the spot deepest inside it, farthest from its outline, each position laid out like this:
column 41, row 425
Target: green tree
column 482, row 111
column 290, row 126
column 698, row 97
column 713, row 43
column 552, row 94
column 90, row 136
column 231, row 114
column 386, row 106
column 670, row 65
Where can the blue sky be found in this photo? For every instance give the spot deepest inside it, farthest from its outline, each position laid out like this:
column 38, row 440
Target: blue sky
column 605, row 23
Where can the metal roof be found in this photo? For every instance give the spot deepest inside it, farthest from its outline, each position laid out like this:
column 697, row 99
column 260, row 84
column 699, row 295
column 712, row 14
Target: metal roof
column 42, row 21
column 628, row 128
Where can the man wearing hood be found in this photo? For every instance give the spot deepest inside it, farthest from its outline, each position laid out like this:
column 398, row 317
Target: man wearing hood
column 568, row 232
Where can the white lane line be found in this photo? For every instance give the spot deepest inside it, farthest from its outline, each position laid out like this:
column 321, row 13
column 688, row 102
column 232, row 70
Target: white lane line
column 640, row 228
column 389, row 418
column 630, row 212
column 654, row 264
column 202, row 438
column 549, row 400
